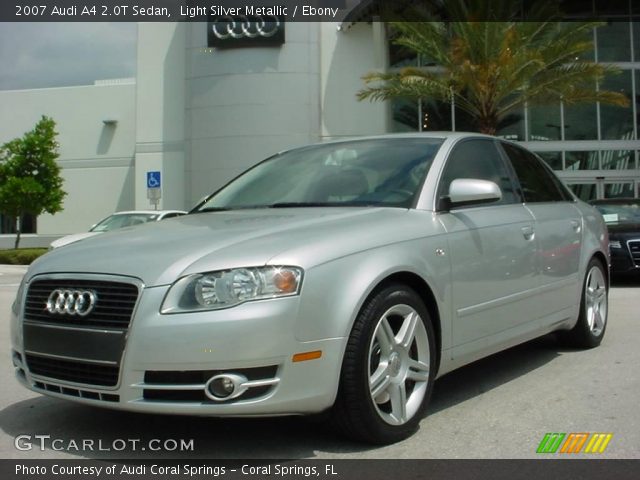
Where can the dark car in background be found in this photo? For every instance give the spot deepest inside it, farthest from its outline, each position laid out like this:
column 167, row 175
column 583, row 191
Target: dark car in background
column 622, row 216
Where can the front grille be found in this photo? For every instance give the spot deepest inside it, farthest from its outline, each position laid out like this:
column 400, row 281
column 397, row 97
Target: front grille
column 634, row 248
column 114, row 305
column 75, row 392
column 73, row 370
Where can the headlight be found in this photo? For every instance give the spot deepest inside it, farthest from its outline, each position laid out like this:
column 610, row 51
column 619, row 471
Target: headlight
column 227, row 288
column 615, row 244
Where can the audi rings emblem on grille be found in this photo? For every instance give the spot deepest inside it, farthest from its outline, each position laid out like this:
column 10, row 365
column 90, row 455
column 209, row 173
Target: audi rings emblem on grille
column 243, row 27
column 72, row 302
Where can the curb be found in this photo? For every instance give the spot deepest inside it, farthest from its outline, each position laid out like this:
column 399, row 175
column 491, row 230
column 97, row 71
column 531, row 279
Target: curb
column 6, row 268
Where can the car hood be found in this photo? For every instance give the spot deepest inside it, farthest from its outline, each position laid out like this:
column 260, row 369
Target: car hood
column 160, row 252
column 616, row 228
column 75, row 237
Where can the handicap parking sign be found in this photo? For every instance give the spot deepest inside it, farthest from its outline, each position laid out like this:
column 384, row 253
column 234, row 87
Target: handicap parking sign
column 153, row 180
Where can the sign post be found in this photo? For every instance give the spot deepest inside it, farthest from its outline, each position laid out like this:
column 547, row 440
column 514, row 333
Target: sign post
column 154, row 188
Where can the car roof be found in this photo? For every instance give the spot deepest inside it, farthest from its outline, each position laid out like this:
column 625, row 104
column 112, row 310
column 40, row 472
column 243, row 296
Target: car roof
column 439, row 135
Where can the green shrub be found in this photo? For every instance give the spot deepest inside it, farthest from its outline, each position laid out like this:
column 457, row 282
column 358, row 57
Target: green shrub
column 21, row 256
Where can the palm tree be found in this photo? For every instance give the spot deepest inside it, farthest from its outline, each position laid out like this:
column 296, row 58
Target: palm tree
column 492, row 68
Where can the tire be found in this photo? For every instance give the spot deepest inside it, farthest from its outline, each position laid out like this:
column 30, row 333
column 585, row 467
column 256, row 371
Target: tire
column 594, row 304
column 388, row 368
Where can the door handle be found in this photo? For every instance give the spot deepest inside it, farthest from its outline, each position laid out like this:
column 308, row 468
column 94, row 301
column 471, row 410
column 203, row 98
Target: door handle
column 576, row 226
column 528, row 233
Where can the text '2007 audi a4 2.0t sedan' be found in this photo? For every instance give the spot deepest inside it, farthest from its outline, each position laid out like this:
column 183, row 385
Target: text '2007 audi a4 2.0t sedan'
column 341, row 278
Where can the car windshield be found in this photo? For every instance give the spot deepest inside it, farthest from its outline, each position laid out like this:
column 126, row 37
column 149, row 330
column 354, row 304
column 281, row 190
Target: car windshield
column 620, row 212
column 123, row 220
column 386, row 172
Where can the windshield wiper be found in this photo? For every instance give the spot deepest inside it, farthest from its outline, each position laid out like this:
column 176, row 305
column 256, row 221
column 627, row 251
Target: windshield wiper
column 231, row 208
column 212, row 209
column 290, row 205
column 321, row 204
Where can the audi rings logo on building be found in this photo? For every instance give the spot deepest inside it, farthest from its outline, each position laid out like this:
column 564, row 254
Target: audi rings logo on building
column 72, row 302
column 242, row 31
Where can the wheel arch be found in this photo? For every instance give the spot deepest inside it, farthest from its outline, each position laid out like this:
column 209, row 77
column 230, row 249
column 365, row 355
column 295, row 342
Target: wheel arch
column 424, row 291
column 602, row 258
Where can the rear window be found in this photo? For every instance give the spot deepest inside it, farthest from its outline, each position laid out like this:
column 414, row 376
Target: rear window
column 538, row 183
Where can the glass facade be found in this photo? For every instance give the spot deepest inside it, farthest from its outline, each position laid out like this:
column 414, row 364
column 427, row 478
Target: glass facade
column 593, row 147
column 8, row 224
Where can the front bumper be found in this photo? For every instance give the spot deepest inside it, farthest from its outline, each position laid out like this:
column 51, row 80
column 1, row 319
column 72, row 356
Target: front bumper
column 626, row 259
column 167, row 359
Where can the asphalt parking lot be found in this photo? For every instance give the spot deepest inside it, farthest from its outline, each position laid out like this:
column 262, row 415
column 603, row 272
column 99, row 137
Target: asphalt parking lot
column 500, row 407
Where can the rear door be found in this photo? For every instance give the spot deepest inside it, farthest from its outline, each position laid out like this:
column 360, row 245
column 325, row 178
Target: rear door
column 558, row 232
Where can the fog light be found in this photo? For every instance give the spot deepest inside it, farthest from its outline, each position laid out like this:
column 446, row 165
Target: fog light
column 222, row 387
column 225, row 387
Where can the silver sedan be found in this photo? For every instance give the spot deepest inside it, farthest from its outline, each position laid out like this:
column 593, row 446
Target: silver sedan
column 341, row 278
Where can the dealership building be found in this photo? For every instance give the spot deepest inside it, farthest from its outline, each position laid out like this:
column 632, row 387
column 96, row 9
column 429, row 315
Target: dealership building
column 200, row 112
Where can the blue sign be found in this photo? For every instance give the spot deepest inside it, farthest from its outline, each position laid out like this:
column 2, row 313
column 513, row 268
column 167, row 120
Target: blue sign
column 153, row 180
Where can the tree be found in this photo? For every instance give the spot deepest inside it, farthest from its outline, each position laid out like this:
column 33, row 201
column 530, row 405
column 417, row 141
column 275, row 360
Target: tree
column 30, row 181
column 492, row 68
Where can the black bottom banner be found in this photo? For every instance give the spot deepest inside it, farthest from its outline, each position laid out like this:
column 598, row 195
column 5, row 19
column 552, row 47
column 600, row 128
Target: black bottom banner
column 585, row 469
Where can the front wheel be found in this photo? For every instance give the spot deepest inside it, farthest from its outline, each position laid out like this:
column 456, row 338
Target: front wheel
column 594, row 307
column 388, row 368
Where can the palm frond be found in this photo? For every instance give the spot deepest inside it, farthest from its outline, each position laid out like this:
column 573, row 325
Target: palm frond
column 491, row 68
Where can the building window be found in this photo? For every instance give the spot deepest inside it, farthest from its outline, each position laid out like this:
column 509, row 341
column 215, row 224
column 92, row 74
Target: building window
column 584, row 191
column 405, row 115
column 617, row 123
column 618, row 160
column 544, row 123
column 596, row 140
column 512, row 126
column 614, row 42
column 618, row 190
column 582, row 161
column 553, row 159
column 636, row 41
column 8, row 224
column 581, row 122
column 436, row 116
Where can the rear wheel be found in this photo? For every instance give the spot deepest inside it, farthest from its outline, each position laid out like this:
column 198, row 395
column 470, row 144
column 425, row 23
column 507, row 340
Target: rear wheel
column 594, row 306
column 388, row 368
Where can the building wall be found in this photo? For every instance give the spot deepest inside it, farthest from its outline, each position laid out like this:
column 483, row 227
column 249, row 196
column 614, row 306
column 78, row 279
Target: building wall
column 160, row 107
column 200, row 116
column 96, row 158
column 245, row 104
column 346, row 55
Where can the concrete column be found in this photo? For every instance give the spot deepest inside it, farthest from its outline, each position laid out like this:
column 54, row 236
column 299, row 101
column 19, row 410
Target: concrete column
column 160, row 109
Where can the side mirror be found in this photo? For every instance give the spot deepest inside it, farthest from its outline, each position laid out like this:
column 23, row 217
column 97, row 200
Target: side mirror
column 470, row 191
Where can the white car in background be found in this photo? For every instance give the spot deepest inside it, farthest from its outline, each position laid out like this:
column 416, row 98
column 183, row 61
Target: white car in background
column 118, row 220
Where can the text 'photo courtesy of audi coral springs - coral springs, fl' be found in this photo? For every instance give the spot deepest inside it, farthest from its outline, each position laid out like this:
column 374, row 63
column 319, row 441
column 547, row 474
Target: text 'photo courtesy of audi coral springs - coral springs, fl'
column 341, row 278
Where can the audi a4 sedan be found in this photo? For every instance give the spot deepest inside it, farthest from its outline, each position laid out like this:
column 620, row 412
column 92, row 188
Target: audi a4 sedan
column 622, row 216
column 340, row 278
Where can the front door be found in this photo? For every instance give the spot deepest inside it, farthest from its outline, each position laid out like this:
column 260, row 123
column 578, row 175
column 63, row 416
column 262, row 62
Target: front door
column 492, row 250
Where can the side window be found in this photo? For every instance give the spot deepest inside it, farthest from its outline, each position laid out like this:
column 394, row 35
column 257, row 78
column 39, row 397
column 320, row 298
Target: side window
column 477, row 159
column 537, row 183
